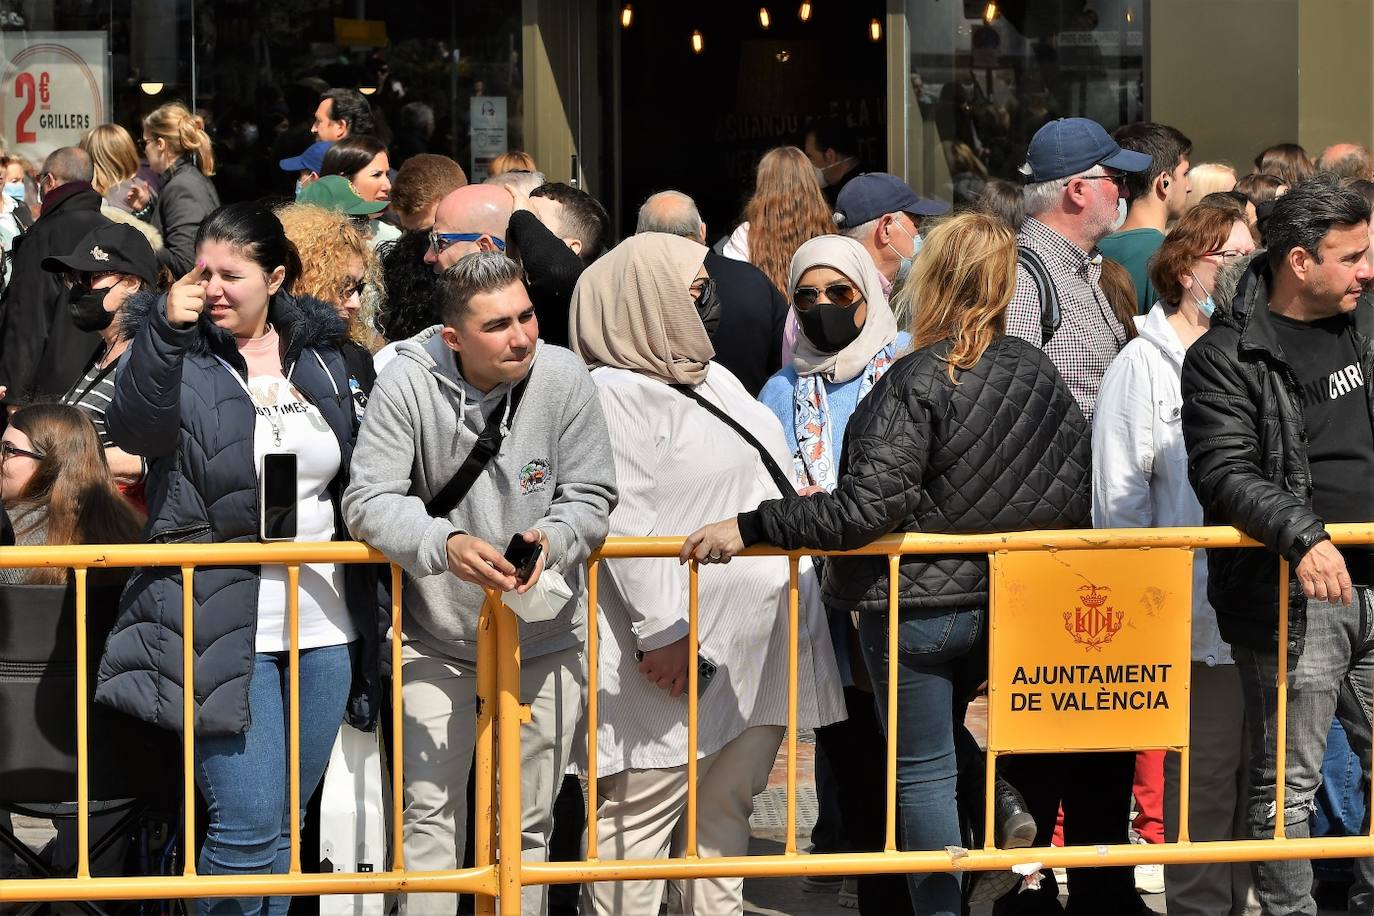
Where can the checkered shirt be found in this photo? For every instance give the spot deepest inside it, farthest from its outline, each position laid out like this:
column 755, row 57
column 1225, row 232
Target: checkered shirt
column 1089, row 334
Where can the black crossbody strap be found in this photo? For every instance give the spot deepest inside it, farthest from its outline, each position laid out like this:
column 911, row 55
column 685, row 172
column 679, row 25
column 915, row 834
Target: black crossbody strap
column 488, row 444
column 783, row 482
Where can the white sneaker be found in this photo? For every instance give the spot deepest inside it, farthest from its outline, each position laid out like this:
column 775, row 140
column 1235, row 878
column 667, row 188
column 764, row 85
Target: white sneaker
column 1149, row 879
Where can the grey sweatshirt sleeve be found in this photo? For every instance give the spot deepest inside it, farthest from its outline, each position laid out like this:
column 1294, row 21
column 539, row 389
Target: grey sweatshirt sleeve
column 584, row 489
column 377, row 506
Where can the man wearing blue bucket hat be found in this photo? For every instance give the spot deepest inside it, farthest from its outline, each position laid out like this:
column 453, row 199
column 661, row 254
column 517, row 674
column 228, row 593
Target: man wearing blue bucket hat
column 1075, row 175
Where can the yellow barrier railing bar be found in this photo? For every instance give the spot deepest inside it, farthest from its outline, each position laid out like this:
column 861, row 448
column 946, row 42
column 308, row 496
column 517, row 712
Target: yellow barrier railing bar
column 508, row 756
column 593, row 702
column 83, row 766
column 484, row 814
column 890, row 838
column 1281, row 725
column 793, row 620
column 693, row 609
column 398, row 846
column 188, row 718
column 293, row 758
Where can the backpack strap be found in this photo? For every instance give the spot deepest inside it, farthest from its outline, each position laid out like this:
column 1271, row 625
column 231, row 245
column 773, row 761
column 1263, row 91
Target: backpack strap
column 488, row 444
column 1044, row 288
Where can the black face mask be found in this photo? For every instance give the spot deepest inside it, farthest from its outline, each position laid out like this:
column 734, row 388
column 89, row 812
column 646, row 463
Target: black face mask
column 708, row 307
column 829, row 327
column 87, row 308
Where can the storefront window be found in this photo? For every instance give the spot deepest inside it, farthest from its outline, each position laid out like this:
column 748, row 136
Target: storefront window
column 984, row 76
column 255, row 71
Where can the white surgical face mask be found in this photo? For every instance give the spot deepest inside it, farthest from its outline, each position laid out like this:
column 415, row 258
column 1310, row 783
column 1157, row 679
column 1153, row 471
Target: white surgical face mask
column 904, row 267
column 1205, row 306
column 820, row 170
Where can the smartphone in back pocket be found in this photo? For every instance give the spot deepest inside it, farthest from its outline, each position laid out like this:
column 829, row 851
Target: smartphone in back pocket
column 277, row 497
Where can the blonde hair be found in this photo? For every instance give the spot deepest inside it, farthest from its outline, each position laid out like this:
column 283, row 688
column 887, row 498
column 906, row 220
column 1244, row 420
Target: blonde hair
column 183, row 132
column 328, row 243
column 963, row 282
column 113, row 154
column 513, row 161
column 1208, row 177
column 786, row 210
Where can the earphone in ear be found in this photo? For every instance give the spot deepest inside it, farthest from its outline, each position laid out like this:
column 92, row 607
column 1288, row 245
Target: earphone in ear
column 1166, row 182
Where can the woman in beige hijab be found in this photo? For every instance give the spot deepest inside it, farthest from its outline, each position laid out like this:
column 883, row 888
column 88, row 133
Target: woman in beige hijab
column 635, row 320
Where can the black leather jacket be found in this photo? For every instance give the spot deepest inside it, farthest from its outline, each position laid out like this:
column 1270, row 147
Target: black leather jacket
column 1005, row 449
column 1247, row 460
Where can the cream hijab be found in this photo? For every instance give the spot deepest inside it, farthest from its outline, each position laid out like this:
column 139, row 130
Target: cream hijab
column 880, row 327
column 632, row 309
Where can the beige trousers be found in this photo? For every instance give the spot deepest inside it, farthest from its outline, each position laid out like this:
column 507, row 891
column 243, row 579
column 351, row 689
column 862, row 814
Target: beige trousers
column 1216, row 800
column 641, row 814
column 440, row 716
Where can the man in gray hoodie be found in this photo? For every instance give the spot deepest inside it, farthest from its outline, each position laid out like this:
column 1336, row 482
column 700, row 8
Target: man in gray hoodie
column 552, row 480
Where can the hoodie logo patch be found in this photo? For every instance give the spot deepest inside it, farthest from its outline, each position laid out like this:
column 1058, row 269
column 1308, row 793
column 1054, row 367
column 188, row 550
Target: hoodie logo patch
column 535, row 476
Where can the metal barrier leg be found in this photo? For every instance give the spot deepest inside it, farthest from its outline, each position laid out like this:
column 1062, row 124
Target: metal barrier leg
column 484, row 812
column 83, row 763
column 693, row 606
column 1281, row 726
column 593, row 701
column 398, row 801
column 890, row 843
column 793, row 599
column 293, row 758
column 188, row 718
column 508, row 756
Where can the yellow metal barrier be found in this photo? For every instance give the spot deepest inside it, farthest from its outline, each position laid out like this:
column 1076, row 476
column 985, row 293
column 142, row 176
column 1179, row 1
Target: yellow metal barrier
column 480, row 880
column 499, row 872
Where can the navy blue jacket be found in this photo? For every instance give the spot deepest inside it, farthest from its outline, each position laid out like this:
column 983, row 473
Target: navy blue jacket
column 179, row 405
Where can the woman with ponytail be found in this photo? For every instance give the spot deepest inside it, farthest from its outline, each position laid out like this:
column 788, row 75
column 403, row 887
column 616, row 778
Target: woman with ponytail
column 178, row 149
column 223, row 370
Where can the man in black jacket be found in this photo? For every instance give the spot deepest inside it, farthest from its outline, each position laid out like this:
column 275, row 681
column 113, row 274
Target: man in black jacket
column 753, row 313
column 41, row 351
column 1279, row 424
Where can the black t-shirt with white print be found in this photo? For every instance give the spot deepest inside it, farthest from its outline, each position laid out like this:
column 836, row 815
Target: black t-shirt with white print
column 1340, row 436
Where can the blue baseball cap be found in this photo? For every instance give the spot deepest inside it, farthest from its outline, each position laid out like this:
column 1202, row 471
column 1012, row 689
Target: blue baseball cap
column 870, row 195
column 1071, row 145
column 312, row 160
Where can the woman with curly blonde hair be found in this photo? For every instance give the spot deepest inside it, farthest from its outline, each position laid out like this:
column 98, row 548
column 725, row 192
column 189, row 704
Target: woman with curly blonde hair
column 339, row 267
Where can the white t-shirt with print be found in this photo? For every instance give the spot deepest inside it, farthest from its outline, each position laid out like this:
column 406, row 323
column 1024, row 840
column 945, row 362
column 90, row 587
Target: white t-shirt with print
column 282, row 414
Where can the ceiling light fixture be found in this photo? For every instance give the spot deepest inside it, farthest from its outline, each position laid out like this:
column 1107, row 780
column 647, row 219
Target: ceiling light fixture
column 696, row 41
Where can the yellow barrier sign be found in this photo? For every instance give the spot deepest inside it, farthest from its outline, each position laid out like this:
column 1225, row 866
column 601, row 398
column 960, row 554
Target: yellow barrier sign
column 1090, row 650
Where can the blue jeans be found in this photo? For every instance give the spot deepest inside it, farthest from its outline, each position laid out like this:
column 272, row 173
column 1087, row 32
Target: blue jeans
column 938, row 663
column 243, row 778
column 1334, row 675
column 1340, row 802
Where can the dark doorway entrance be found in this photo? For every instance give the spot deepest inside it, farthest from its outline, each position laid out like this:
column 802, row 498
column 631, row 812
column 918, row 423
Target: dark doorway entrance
column 699, row 122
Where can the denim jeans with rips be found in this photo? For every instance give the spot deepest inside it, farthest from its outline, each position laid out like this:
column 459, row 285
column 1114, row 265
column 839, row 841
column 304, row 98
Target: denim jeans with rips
column 1334, row 675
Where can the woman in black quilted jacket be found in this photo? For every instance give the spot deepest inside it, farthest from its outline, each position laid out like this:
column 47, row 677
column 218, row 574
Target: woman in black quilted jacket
column 973, row 431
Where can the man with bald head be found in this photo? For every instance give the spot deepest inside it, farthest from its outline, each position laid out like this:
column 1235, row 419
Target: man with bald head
column 472, row 218
column 753, row 312
column 1347, row 160
column 41, row 352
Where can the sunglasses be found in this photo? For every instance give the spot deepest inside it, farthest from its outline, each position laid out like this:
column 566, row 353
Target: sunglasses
column 10, row 450
column 842, row 294
column 440, row 241
column 1119, row 179
column 1229, row 254
column 354, row 288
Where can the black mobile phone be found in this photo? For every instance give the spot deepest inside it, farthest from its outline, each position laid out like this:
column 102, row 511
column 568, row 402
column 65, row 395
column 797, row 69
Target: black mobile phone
column 277, row 497
column 523, row 556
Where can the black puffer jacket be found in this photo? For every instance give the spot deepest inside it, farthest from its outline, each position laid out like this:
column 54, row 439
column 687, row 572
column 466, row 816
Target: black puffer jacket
column 1006, row 449
column 1247, row 460
column 177, row 403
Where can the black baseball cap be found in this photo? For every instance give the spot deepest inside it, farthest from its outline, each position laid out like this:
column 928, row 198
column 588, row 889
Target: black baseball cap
column 1068, row 146
column 868, row 196
column 111, row 248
